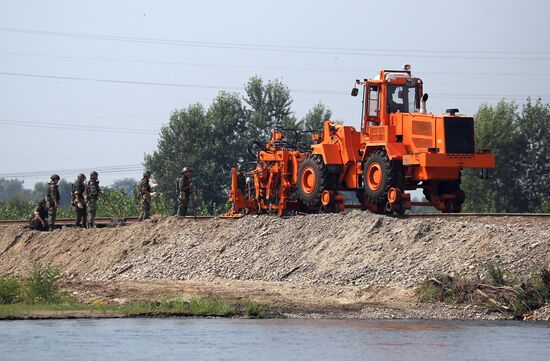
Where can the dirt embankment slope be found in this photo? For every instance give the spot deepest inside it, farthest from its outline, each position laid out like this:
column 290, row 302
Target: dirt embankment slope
column 316, row 263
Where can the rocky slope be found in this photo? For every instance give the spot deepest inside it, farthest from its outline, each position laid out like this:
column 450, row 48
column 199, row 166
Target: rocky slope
column 354, row 250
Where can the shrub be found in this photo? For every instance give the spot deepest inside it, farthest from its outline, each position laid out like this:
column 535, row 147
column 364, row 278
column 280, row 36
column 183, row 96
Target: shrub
column 42, row 285
column 436, row 288
column 10, row 290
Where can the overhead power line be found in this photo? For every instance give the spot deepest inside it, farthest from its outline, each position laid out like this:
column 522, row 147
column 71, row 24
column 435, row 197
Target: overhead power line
column 304, row 49
column 233, row 66
column 87, row 128
column 73, row 172
column 294, row 90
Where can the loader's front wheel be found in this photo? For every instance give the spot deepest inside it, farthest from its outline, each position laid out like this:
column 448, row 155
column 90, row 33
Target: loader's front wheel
column 312, row 181
column 380, row 174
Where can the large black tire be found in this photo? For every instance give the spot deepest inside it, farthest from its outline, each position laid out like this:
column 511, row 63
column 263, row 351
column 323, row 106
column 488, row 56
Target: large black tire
column 312, row 181
column 379, row 175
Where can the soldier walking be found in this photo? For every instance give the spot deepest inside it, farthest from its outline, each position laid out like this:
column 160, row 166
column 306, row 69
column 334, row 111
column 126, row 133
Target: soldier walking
column 92, row 194
column 53, row 199
column 39, row 219
column 79, row 192
column 184, row 192
column 145, row 195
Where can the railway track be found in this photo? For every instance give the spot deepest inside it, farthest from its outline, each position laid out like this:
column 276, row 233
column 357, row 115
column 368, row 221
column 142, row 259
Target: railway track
column 102, row 222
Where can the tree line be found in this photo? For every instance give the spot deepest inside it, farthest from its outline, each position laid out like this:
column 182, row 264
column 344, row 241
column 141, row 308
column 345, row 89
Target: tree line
column 520, row 139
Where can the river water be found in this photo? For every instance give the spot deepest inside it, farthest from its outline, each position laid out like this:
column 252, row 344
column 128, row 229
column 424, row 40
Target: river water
column 236, row 339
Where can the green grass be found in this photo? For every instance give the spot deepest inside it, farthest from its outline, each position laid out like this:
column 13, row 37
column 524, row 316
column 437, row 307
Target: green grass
column 196, row 306
column 255, row 310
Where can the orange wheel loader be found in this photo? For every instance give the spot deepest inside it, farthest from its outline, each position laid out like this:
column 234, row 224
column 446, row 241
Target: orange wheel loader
column 400, row 147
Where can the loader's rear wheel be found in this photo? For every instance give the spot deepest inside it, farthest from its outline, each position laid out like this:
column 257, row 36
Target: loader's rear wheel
column 380, row 174
column 312, row 181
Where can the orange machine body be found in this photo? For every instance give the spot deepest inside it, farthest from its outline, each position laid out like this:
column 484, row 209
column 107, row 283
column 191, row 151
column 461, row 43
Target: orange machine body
column 269, row 186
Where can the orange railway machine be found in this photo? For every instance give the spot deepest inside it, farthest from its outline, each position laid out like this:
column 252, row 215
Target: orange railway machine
column 268, row 184
column 400, row 147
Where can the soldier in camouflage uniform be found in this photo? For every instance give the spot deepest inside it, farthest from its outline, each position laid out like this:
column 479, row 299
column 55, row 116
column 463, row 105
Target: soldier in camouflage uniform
column 52, row 199
column 92, row 194
column 39, row 220
column 79, row 201
column 184, row 192
column 145, row 195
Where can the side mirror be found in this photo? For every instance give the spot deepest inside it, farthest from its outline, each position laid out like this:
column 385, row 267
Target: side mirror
column 425, row 97
column 354, row 92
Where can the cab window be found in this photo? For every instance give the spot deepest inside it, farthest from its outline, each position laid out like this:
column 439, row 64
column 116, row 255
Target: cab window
column 373, row 101
column 402, row 98
column 396, row 101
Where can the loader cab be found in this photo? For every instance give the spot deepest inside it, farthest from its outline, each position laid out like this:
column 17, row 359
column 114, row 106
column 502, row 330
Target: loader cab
column 391, row 91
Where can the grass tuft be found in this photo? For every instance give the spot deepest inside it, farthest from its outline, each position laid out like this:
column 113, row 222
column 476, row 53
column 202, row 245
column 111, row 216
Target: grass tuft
column 254, row 310
column 496, row 275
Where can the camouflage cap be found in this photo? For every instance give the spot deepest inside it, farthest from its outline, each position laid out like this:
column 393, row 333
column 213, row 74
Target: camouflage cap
column 54, row 177
column 147, row 173
column 81, row 176
column 93, row 174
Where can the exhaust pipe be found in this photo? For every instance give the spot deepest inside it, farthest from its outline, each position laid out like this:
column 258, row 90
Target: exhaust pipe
column 423, row 101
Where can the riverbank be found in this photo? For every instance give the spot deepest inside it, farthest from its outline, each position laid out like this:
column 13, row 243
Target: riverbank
column 194, row 307
column 355, row 265
column 223, row 299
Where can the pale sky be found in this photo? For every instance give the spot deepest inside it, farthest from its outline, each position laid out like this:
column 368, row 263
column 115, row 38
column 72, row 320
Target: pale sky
column 87, row 84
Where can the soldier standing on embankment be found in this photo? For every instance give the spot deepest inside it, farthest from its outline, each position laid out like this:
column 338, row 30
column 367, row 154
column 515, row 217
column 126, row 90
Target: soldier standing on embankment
column 92, row 194
column 39, row 221
column 184, row 192
column 145, row 195
column 53, row 199
column 79, row 190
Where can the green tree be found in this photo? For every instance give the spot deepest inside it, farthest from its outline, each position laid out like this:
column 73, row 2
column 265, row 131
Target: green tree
column 316, row 117
column 13, row 187
column 314, row 121
column 184, row 141
column 535, row 128
column 521, row 143
column 497, row 129
column 269, row 107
